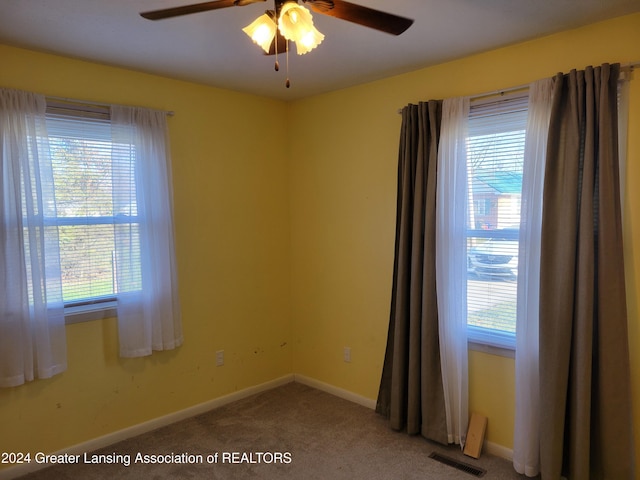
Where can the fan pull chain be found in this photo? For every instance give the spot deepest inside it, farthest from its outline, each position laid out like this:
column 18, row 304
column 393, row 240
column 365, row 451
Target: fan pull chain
column 275, row 44
column 287, row 83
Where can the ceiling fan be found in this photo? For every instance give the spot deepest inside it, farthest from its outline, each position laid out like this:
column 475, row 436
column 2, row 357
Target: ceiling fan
column 290, row 21
column 385, row 22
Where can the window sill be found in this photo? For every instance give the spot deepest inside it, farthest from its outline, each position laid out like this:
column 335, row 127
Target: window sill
column 88, row 313
column 494, row 342
column 507, row 352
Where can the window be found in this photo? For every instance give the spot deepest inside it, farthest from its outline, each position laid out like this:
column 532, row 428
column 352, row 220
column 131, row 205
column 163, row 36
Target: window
column 92, row 204
column 107, row 241
column 495, row 156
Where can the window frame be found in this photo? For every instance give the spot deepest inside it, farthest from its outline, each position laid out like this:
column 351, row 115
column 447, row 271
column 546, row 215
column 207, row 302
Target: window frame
column 494, row 341
column 98, row 307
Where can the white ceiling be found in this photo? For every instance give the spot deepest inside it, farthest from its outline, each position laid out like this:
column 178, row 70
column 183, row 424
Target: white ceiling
column 211, row 48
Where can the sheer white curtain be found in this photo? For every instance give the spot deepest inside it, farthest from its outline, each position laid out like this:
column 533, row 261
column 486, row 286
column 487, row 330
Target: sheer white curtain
column 526, row 445
column 148, row 305
column 451, row 264
column 32, row 332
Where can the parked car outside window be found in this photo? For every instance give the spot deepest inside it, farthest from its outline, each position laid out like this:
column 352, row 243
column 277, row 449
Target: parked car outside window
column 493, row 258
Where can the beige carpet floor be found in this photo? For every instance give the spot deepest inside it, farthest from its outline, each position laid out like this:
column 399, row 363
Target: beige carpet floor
column 290, row 432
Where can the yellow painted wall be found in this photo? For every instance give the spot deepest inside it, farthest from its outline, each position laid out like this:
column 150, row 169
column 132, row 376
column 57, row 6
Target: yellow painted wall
column 343, row 192
column 232, row 235
column 284, row 243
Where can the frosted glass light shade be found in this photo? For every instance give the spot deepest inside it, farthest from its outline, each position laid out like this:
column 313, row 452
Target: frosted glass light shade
column 262, row 31
column 309, row 41
column 296, row 24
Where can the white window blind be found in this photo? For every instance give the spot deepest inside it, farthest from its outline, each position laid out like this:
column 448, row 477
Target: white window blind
column 495, row 155
column 91, row 180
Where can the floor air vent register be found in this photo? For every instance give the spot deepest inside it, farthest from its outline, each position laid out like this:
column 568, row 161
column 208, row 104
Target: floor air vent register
column 464, row 467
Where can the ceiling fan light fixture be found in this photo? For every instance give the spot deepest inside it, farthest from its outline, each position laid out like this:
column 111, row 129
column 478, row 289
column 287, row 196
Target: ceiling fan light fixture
column 262, row 31
column 296, row 24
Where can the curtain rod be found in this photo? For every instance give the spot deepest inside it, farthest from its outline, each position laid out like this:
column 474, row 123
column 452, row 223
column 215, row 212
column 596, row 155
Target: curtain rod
column 496, row 93
column 75, row 101
column 630, row 66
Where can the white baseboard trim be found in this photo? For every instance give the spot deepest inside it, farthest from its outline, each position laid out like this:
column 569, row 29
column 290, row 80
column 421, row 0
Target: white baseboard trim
column 118, row 436
column 498, row 450
column 336, row 391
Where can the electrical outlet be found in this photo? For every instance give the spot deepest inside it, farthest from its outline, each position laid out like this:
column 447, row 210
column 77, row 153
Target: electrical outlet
column 347, row 354
column 219, row 358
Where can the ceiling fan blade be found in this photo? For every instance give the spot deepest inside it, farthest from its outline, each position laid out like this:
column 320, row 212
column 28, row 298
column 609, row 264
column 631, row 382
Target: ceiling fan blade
column 195, row 8
column 385, row 22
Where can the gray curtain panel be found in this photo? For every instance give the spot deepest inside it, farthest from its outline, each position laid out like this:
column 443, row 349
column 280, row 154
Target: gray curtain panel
column 411, row 393
column 586, row 429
